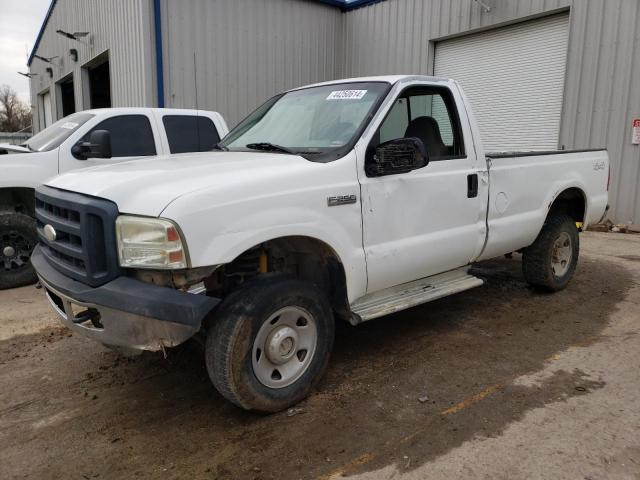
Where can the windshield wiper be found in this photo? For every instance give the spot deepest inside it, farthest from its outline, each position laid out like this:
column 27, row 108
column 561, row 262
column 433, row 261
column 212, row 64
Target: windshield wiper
column 269, row 147
column 219, row 146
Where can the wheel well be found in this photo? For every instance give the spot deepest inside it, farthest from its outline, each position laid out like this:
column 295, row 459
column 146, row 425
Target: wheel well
column 571, row 201
column 19, row 199
column 303, row 257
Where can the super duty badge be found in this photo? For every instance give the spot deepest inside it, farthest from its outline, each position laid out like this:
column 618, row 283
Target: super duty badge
column 341, row 200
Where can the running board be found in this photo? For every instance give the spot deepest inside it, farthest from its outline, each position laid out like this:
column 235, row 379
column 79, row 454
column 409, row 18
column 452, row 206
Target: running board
column 414, row 293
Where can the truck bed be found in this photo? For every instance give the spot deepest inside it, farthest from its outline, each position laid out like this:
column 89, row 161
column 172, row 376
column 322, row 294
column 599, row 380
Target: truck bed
column 523, row 185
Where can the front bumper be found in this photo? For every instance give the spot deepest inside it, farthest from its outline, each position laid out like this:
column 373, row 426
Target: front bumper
column 124, row 313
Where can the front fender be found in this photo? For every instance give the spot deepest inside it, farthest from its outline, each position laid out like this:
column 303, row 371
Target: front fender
column 27, row 170
column 245, row 232
column 224, row 221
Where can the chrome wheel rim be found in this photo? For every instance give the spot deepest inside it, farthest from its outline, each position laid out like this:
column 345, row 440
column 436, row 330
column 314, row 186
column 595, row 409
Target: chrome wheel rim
column 284, row 347
column 561, row 255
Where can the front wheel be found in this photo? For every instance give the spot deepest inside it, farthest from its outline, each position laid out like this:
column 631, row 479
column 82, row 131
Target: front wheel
column 550, row 262
column 270, row 343
column 18, row 238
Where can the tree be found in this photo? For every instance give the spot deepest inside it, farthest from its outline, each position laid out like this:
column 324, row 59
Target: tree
column 15, row 115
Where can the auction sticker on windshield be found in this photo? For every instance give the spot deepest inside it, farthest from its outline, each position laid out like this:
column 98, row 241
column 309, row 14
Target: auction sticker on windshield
column 346, row 95
column 69, row 125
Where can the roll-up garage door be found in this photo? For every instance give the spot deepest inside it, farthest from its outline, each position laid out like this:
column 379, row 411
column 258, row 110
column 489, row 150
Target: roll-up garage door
column 514, row 79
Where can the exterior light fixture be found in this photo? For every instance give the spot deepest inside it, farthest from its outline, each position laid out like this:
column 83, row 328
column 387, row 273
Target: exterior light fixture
column 72, row 36
column 486, row 8
column 74, row 54
column 49, row 70
column 45, row 59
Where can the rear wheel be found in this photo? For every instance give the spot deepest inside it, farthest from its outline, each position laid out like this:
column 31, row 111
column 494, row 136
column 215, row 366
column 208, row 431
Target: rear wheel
column 270, row 343
column 549, row 264
column 18, row 238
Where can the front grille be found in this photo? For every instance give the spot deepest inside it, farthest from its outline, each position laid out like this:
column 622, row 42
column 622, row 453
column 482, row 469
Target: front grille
column 85, row 244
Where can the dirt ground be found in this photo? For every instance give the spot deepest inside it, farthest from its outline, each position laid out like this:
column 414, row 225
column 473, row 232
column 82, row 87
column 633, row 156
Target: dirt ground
column 495, row 382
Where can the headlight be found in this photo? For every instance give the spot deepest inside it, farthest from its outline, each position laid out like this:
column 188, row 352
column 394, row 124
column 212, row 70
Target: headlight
column 149, row 243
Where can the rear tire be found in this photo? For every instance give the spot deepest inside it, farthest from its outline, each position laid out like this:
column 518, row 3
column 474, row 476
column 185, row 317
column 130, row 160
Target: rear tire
column 18, row 238
column 550, row 262
column 270, row 343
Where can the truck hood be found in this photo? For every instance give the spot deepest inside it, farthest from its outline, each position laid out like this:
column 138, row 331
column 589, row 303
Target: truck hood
column 146, row 187
column 13, row 148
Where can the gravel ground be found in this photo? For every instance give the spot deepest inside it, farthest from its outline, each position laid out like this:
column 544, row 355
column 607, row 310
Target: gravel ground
column 495, row 382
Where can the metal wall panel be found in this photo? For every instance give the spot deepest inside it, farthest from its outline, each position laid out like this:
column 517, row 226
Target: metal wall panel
column 394, row 36
column 231, row 55
column 602, row 71
column 602, row 94
column 235, row 53
column 122, row 27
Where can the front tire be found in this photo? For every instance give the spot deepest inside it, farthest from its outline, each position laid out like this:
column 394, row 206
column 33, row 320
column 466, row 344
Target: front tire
column 18, row 238
column 270, row 343
column 550, row 262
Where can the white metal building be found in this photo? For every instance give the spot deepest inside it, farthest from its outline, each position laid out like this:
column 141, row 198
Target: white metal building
column 541, row 74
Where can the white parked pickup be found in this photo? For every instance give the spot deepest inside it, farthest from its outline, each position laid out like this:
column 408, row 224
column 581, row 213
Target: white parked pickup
column 86, row 139
column 344, row 200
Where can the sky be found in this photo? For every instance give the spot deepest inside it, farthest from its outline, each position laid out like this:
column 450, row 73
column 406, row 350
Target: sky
column 20, row 22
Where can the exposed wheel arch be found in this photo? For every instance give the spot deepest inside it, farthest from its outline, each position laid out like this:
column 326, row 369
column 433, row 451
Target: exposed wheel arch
column 306, row 258
column 18, row 199
column 573, row 202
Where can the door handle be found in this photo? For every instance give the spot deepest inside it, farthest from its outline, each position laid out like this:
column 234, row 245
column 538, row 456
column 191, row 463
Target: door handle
column 472, row 185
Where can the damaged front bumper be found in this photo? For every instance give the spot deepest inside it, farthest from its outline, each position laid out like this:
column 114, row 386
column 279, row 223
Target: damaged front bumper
column 125, row 313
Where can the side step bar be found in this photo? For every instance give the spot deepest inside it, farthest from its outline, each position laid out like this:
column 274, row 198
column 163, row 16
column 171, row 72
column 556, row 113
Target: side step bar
column 414, row 293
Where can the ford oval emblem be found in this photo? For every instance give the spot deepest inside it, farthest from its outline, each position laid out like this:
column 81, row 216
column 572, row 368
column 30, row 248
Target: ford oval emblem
column 50, row 233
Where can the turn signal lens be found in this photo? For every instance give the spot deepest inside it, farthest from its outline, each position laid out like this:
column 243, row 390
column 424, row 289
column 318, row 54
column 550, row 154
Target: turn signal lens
column 149, row 243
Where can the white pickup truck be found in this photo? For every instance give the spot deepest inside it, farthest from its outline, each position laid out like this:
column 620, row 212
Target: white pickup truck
column 86, row 139
column 343, row 200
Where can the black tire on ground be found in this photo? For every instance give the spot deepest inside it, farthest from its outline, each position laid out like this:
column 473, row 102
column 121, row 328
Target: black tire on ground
column 550, row 262
column 18, row 238
column 265, row 308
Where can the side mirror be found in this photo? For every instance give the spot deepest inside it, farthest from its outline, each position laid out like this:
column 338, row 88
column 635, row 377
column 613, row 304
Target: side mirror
column 98, row 146
column 400, row 155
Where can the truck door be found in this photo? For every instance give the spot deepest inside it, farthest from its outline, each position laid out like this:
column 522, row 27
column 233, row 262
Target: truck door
column 431, row 219
column 132, row 136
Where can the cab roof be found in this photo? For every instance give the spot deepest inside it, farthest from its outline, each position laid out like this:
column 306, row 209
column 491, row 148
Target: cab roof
column 391, row 79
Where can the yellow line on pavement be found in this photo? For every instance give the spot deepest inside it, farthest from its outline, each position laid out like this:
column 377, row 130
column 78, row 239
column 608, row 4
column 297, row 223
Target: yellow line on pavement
column 471, row 400
column 369, row 456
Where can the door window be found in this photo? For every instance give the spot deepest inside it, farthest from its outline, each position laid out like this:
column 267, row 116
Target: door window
column 190, row 133
column 131, row 135
column 428, row 114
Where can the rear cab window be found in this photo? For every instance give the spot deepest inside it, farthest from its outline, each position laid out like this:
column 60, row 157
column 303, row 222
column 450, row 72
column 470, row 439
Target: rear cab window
column 190, row 133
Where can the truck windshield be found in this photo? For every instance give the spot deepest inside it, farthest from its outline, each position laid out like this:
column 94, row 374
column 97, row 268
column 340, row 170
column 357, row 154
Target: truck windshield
column 310, row 121
column 52, row 136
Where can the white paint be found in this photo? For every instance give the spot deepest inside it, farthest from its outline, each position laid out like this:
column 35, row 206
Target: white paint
column 413, row 225
column 514, row 78
column 531, row 184
column 346, row 95
column 29, row 169
column 502, row 202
